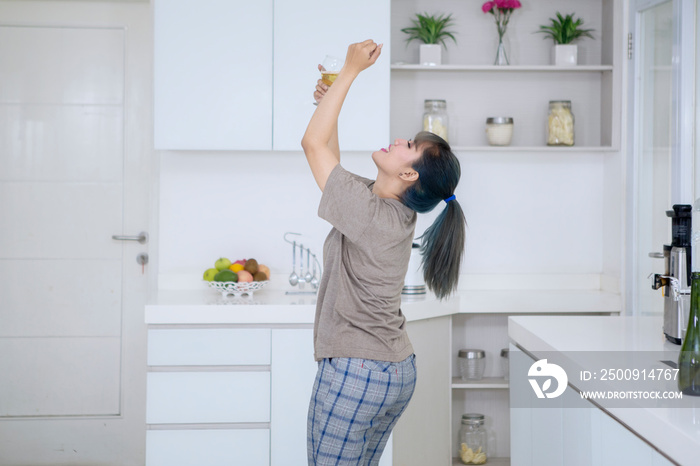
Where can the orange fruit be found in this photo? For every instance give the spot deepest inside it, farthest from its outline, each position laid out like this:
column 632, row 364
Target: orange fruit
column 236, row 267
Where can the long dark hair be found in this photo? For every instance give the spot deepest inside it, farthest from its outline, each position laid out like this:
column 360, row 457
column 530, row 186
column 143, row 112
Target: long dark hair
column 442, row 243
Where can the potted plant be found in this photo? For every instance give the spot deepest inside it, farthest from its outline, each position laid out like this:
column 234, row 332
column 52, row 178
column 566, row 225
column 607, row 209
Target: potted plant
column 432, row 31
column 563, row 31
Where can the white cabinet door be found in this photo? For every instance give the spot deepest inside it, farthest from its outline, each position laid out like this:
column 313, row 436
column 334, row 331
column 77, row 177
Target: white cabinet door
column 209, row 347
column 207, row 397
column 305, row 32
column 293, row 370
column 208, row 447
column 213, row 74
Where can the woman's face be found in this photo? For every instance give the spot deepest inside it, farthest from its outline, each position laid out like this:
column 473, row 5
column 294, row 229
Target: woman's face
column 398, row 158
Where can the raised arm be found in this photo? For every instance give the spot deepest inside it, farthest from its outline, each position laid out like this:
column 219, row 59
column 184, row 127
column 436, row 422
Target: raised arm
column 321, row 89
column 322, row 132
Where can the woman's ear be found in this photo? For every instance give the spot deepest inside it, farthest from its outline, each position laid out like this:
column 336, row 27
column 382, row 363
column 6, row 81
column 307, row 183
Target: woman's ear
column 409, row 175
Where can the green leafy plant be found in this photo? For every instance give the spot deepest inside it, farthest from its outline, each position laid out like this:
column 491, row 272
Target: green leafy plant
column 565, row 29
column 430, row 29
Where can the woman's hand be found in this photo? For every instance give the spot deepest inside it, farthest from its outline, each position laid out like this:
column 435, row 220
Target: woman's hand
column 362, row 55
column 321, row 88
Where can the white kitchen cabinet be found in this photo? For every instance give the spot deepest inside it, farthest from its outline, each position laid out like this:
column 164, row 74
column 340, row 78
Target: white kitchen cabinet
column 421, row 436
column 221, row 83
column 573, row 431
column 213, row 74
column 212, row 347
column 199, row 397
column 305, row 32
column 427, row 432
column 208, row 447
column 293, row 371
column 238, row 395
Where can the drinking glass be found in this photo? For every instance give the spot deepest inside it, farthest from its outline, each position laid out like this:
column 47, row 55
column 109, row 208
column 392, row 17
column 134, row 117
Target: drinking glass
column 331, row 67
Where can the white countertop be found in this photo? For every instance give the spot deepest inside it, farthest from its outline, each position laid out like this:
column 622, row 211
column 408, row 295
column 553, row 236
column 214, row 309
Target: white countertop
column 674, row 431
column 267, row 306
column 180, row 303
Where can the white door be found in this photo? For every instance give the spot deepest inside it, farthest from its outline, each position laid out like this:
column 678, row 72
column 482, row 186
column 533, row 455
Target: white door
column 660, row 137
column 74, row 170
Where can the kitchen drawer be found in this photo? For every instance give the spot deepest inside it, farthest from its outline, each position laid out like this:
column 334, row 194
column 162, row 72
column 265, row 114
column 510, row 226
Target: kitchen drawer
column 249, row 447
column 207, row 397
column 208, row 347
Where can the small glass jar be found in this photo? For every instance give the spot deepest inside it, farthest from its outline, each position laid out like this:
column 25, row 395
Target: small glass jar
column 472, row 439
column 560, row 128
column 505, row 363
column 472, row 363
column 499, row 130
column 435, row 118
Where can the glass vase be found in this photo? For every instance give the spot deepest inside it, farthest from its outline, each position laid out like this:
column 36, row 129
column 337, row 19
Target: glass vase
column 501, row 56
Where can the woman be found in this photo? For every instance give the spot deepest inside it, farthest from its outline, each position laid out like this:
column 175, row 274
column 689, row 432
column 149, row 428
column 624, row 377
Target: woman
column 367, row 373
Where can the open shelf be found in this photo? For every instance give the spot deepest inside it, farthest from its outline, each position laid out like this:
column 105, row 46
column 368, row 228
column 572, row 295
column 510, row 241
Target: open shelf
column 505, row 69
column 533, row 149
column 486, row 382
column 489, row 461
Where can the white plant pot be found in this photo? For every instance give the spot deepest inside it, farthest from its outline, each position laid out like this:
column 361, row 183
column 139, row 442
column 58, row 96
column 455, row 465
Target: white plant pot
column 430, row 54
column 565, row 55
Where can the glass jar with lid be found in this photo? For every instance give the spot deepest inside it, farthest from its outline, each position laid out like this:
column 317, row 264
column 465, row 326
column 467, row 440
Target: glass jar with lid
column 505, row 363
column 472, row 439
column 560, row 127
column 499, row 130
column 435, row 118
column 472, row 363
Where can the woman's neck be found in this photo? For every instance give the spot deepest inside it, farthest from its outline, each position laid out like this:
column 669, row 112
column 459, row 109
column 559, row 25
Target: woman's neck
column 388, row 188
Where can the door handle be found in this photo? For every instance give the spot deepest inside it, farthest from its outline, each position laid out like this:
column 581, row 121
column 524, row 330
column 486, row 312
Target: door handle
column 656, row 255
column 141, row 238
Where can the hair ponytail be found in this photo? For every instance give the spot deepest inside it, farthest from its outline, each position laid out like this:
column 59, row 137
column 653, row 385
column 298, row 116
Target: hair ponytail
column 442, row 243
column 442, row 246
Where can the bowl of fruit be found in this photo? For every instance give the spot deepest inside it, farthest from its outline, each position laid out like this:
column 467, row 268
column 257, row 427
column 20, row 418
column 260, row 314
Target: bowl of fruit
column 242, row 277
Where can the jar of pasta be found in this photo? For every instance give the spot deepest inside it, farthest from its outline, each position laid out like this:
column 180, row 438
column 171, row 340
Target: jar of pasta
column 435, row 118
column 560, row 128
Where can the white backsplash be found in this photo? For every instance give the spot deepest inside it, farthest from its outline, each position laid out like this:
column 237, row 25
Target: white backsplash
column 527, row 213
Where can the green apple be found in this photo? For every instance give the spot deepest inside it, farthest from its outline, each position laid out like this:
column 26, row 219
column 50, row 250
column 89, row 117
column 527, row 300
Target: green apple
column 209, row 274
column 222, row 264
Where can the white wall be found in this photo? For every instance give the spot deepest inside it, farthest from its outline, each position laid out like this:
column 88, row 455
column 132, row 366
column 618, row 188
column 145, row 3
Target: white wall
column 527, row 213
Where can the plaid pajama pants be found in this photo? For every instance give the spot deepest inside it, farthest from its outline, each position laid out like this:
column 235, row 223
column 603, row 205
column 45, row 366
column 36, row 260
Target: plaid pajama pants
column 355, row 404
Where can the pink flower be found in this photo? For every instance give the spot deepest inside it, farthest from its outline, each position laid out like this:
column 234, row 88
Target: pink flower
column 507, row 4
column 488, row 6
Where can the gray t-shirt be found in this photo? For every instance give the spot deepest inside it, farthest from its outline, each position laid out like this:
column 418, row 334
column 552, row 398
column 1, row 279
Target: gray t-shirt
column 365, row 261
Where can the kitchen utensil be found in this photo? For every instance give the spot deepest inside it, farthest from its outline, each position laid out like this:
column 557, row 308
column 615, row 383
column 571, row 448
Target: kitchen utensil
column 414, row 283
column 308, row 276
column 314, row 280
column 293, row 277
column 676, row 278
column 301, row 267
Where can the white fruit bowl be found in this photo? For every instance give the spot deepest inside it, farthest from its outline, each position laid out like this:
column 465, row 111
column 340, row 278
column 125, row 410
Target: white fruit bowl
column 237, row 288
